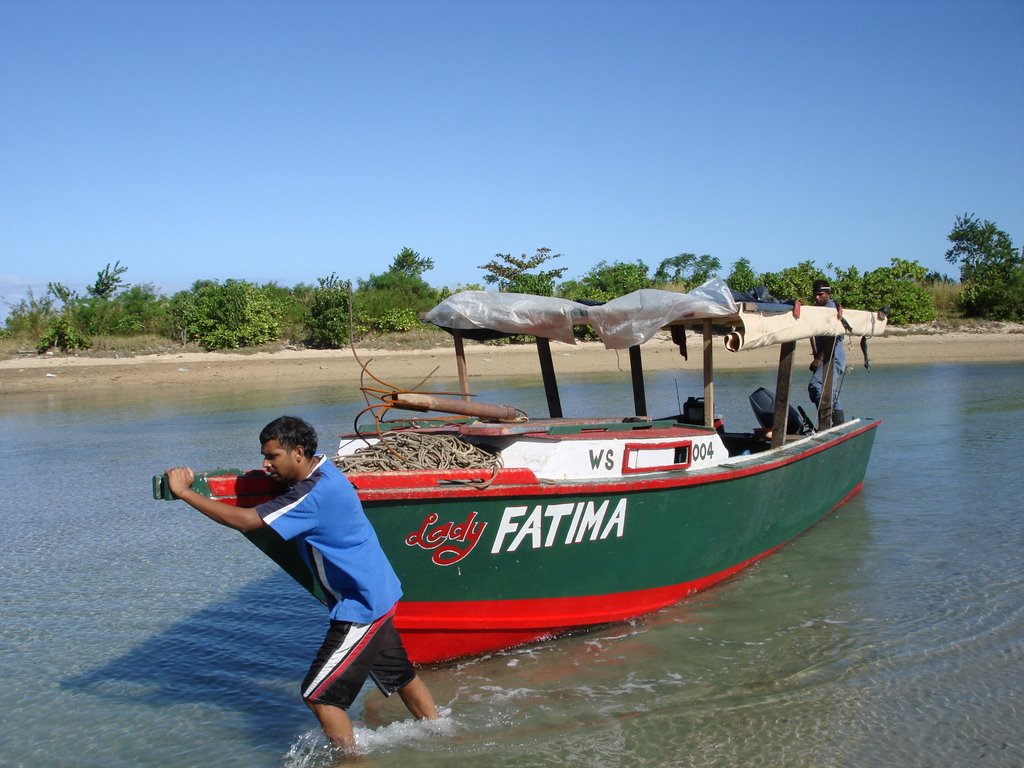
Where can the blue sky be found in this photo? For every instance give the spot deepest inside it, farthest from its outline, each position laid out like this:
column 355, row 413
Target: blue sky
column 286, row 140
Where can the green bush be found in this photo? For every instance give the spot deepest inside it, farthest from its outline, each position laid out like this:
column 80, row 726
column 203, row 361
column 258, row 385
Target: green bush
column 227, row 316
column 398, row 321
column 792, row 282
column 901, row 287
column 63, row 336
column 31, row 317
column 328, row 319
column 137, row 309
column 848, row 288
column 607, row 281
column 294, row 303
column 391, row 298
column 742, row 277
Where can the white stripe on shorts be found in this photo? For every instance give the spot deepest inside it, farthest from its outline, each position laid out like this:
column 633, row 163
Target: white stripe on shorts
column 353, row 638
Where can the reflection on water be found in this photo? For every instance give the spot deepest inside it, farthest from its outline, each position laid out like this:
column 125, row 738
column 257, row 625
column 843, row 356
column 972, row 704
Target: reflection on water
column 891, row 632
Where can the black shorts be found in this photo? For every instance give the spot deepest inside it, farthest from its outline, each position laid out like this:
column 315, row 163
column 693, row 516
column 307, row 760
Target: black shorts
column 350, row 653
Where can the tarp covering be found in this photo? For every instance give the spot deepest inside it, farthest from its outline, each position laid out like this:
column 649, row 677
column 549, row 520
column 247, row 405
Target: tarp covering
column 620, row 323
column 636, row 317
column 511, row 313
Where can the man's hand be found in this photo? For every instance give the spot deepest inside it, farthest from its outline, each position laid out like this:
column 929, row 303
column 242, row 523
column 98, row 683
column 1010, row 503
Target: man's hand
column 179, row 480
column 815, row 365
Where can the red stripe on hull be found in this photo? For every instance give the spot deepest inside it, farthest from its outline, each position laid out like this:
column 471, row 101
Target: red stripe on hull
column 440, row 631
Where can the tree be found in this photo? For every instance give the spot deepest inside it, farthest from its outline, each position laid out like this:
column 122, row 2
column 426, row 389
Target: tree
column 409, row 262
column 607, row 281
column 742, row 277
column 991, row 270
column 61, row 292
column 687, row 270
column 512, row 274
column 392, row 301
column 108, row 280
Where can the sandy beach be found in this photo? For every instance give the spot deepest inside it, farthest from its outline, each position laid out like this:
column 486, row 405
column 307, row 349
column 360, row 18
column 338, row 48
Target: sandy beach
column 405, row 369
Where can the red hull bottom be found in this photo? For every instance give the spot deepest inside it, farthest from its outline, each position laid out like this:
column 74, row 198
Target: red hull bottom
column 434, row 632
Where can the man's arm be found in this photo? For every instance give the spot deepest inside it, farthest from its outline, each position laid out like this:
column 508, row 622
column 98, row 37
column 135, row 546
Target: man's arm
column 179, row 479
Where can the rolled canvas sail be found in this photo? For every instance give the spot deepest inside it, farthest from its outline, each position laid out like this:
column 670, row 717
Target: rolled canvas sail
column 761, row 329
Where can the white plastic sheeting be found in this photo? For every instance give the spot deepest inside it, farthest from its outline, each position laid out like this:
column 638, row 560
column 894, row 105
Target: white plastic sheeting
column 513, row 313
column 620, row 323
column 636, row 317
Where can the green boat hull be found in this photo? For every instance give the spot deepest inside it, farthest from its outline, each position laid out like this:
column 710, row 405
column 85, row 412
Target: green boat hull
column 486, row 568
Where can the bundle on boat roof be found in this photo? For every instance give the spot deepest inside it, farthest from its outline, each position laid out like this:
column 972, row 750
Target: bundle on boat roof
column 637, row 317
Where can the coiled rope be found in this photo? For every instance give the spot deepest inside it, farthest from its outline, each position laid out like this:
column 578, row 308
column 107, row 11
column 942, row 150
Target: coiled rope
column 401, row 451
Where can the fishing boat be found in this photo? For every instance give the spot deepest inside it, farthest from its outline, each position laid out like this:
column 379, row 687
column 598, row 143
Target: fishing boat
column 507, row 528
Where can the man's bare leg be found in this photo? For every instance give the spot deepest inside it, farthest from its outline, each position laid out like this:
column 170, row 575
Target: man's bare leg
column 417, row 699
column 336, row 724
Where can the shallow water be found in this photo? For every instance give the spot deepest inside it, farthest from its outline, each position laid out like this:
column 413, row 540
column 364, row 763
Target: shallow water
column 136, row 633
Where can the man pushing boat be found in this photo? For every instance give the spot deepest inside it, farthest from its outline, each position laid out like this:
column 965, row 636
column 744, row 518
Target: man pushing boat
column 321, row 512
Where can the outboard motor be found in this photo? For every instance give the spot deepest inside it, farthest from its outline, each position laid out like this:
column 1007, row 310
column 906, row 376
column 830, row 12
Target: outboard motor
column 762, row 401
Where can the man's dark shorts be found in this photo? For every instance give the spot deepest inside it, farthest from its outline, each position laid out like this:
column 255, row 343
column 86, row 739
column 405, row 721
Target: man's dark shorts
column 350, row 653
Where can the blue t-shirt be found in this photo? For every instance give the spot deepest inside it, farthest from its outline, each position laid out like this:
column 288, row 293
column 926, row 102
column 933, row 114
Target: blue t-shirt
column 339, row 546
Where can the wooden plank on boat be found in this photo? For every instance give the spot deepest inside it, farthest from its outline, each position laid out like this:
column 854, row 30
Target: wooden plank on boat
column 780, row 422
column 460, row 363
column 636, row 368
column 547, row 370
column 709, row 375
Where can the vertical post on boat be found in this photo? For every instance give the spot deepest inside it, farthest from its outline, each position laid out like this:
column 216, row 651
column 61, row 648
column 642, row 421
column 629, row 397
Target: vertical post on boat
column 781, row 419
column 547, row 370
column 460, row 362
column 636, row 369
column 709, row 377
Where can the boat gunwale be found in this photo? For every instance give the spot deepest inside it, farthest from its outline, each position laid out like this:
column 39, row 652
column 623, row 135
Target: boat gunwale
column 733, row 468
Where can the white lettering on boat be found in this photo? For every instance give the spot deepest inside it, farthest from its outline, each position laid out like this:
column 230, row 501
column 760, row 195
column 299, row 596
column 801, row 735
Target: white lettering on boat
column 543, row 526
column 445, row 539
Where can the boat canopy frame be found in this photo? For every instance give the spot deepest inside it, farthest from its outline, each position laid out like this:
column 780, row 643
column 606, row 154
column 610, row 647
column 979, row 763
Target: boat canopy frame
column 629, row 321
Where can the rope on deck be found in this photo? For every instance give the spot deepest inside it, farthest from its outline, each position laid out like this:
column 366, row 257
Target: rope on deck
column 398, row 451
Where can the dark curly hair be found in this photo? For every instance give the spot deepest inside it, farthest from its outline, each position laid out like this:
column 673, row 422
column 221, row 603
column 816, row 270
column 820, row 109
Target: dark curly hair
column 290, row 431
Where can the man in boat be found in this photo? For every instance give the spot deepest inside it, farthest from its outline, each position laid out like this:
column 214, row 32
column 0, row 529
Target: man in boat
column 825, row 348
column 321, row 512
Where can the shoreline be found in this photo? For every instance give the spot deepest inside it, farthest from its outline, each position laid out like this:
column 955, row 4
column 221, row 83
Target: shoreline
column 407, row 368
